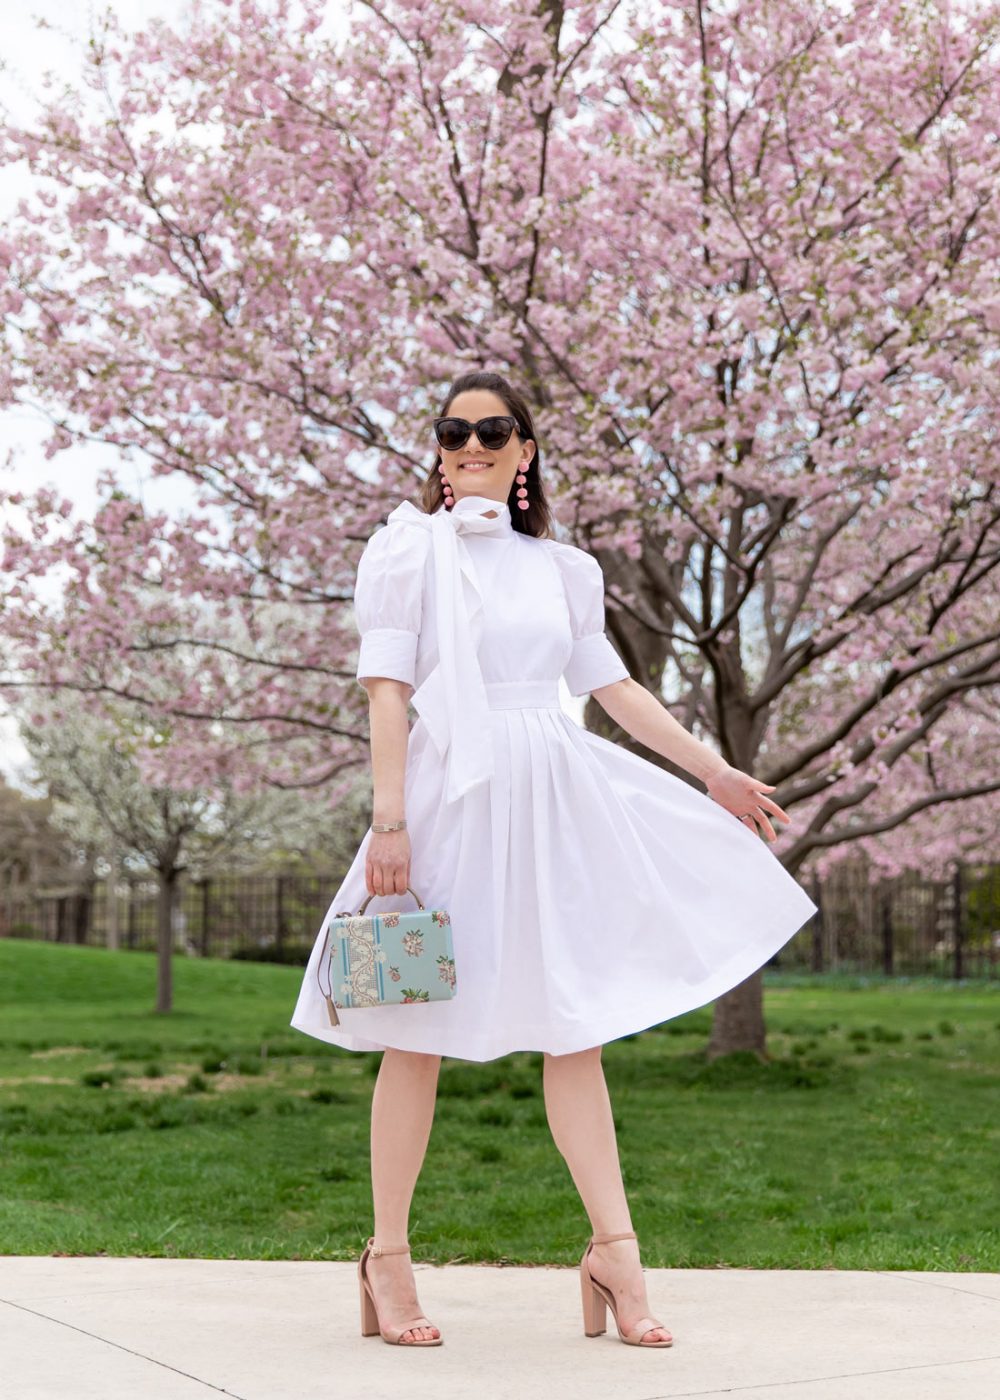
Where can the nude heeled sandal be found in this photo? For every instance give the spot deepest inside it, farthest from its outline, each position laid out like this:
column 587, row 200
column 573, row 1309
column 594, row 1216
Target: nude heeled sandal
column 370, row 1324
column 597, row 1299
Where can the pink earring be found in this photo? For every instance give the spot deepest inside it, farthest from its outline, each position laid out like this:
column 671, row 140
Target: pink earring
column 449, row 499
column 522, row 490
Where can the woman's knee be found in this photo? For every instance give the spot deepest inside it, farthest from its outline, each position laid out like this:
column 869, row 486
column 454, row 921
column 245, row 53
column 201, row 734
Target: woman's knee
column 413, row 1059
column 592, row 1052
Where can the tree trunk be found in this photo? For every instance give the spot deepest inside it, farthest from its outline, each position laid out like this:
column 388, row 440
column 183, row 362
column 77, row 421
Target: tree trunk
column 738, row 1019
column 738, row 1023
column 166, row 899
column 112, row 903
column 82, row 906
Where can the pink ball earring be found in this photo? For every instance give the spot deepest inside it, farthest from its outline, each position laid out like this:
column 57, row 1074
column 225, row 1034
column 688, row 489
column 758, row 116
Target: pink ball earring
column 522, row 490
column 449, row 499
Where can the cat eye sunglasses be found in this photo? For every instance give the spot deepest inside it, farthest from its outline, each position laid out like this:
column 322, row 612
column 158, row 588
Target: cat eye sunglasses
column 493, row 432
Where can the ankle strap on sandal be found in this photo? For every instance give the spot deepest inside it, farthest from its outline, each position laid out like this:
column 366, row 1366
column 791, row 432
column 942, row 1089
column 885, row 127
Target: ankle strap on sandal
column 607, row 1239
column 376, row 1249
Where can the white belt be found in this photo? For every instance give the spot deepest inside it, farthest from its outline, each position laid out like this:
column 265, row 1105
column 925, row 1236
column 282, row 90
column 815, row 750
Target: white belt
column 522, row 695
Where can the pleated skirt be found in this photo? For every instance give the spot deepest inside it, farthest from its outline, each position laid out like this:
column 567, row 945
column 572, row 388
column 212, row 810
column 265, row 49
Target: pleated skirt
column 591, row 895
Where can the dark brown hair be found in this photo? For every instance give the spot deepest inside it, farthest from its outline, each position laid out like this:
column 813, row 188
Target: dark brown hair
column 537, row 519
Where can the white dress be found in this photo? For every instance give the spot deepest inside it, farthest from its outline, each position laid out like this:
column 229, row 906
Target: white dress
column 591, row 893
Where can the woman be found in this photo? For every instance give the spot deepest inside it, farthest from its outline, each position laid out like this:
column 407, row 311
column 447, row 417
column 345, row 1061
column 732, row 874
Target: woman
column 591, row 893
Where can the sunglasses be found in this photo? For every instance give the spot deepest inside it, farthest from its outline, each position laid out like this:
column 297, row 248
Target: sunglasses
column 493, row 432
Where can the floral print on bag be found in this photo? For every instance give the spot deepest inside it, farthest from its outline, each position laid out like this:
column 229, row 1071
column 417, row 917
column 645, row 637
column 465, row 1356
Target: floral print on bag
column 413, row 943
column 446, row 969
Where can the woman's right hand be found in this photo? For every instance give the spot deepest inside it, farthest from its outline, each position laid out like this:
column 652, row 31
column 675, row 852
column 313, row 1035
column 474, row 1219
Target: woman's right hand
column 387, row 862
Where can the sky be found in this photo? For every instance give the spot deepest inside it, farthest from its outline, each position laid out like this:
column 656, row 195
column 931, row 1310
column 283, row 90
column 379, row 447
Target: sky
column 28, row 51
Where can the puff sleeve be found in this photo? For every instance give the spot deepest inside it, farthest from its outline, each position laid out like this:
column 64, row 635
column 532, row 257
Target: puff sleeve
column 388, row 603
column 593, row 661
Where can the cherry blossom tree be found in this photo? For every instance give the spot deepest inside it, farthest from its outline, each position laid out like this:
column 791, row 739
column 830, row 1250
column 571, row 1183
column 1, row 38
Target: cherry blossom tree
column 741, row 256
column 89, row 768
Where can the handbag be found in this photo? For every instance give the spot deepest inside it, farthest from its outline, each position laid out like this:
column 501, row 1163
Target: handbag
column 387, row 959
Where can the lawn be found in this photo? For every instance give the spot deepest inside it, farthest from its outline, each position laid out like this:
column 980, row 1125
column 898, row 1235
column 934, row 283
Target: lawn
column 871, row 1140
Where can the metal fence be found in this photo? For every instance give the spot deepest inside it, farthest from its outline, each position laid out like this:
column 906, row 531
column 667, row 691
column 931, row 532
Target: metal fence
column 273, row 916
column 906, row 926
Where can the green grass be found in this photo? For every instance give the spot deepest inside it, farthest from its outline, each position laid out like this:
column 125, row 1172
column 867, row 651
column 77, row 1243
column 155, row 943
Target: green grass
column 869, row 1141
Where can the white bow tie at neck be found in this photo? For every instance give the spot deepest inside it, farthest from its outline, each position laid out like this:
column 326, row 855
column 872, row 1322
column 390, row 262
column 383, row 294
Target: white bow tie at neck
column 452, row 699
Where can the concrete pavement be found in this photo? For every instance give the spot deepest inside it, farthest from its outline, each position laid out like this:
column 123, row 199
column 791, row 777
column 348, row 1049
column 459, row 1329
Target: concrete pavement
column 184, row 1329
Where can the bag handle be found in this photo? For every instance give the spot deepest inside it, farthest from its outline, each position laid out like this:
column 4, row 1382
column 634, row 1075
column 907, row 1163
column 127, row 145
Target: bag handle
column 347, row 914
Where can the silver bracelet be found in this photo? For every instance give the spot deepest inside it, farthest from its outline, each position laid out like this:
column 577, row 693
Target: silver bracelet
column 389, row 826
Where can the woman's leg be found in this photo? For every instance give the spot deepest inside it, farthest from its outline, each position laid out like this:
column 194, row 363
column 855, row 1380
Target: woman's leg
column 583, row 1128
column 402, row 1115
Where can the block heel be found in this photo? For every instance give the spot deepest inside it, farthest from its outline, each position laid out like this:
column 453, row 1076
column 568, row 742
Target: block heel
column 595, row 1307
column 370, row 1324
column 369, row 1315
column 597, row 1299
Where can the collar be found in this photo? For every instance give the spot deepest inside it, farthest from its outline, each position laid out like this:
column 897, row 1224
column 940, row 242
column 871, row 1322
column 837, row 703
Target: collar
column 470, row 515
column 451, row 700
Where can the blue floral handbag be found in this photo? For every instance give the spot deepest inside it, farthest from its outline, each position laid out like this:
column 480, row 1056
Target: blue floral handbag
column 387, row 959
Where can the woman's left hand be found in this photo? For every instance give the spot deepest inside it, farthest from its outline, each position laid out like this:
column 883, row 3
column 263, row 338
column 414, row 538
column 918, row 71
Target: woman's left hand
column 746, row 798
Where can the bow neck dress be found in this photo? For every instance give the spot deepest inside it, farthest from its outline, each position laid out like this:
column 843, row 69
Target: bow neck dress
column 591, row 894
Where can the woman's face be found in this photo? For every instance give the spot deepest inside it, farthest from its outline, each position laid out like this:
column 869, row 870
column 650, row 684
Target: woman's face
column 497, row 478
